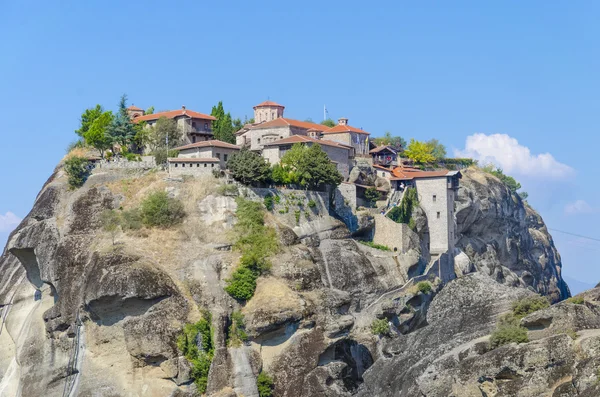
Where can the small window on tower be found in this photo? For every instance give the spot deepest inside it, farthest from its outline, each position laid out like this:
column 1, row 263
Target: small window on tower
column 224, row 157
column 439, row 214
column 434, row 198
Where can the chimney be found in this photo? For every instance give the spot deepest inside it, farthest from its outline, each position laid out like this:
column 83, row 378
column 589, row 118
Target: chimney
column 343, row 121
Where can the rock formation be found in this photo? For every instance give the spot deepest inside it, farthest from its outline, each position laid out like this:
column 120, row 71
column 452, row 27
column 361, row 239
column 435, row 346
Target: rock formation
column 80, row 316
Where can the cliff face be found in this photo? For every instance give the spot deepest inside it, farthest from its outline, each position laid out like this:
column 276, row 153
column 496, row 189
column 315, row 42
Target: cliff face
column 83, row 317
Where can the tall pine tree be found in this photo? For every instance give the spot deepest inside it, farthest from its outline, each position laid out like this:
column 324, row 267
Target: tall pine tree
column 122, row 130
column 223, row 127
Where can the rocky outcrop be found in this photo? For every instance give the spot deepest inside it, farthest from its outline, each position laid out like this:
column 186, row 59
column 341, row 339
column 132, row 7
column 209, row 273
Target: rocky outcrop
column 506, row 239
column 82, row 316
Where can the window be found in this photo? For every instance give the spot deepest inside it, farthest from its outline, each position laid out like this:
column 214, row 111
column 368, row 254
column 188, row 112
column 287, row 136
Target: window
column 197, row 165
column 224, row 157
column 212, row 165
column 194, row 139
column 434, row 198
column 439, row 214
column 206, row 126
column 176, row 164
column 258, row 140
column 218, row 156
column 205, row 165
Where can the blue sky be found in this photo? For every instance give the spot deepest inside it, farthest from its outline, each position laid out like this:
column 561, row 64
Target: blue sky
column 513, row 71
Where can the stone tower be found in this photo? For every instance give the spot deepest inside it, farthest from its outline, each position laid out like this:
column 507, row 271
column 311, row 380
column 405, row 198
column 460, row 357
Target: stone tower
column 267, row 111
column 134, row 111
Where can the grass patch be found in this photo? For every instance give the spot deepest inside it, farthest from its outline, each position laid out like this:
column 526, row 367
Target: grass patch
column 228, row 190
column 193, row 336
column 373, row 245
column 528, row 305
column 256, row 242
column 576, row 300
column 237, row 329
column 380, row 327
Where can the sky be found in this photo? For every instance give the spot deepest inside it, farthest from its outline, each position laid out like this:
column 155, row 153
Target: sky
column 514, row 83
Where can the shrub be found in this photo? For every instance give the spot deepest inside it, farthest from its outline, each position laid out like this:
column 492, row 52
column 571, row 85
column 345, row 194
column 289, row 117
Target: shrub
column 79, row 143
column 372, row 195
column 237, row 331
column 312, row 203
column 268, row 201
column 576, row 300
column 265, row 385
column 77, row 170
column 380, row 327
column 200, row 359
column 158, row 209
column 277, row 199
column 249, row 168
column 373, row 245
column 508, row 331
column 242, row 284
column 297, row 215
column 424, row 287
column 161, row 155
column 528, row 305
column 228, row 190
column 131, row 219
column 403, row 212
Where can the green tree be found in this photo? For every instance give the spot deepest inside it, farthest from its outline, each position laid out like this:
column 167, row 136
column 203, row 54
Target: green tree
column 150, row 110
column 156, row 136
column 396, row 142
column 311, row 166
column 122, row 130
column 328, row 123
column 372, row 195
column 509, row 181
column 76, row 168
column 223, row 127
column 437, row 149
column 111, row 220
column 97, row 134
column 87, row 118
column 249, row 167
column 419, row 152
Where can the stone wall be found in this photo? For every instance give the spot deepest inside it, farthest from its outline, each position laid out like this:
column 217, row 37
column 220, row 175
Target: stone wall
column 396, row 236
column 147, row 162
column 344, row 205
column 320, row 198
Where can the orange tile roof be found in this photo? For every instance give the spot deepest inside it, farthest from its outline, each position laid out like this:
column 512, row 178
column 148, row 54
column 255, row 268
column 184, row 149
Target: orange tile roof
column 212, row 143
column 344, row 128
column 134, row 108
column 193, row 160
column 268, row 103
column 174, row 113
column 406, row 173
column 285, row 122
column 306, row 139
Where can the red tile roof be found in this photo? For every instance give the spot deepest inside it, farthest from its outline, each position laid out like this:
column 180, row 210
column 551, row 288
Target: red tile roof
column 306, row 139
column 193, row 160
column 268, row 103
column 344, row 128
column 212, row 143
column 406, row 173
column 134, row 108
column 285, row 122
column 174, row 113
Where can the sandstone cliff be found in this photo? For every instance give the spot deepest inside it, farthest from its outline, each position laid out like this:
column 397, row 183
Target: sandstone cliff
column 81, row 317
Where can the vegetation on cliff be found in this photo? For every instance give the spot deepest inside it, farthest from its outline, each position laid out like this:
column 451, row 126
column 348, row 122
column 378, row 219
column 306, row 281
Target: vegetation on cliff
column 197, row 346
column 256, row 242
column 403, row 212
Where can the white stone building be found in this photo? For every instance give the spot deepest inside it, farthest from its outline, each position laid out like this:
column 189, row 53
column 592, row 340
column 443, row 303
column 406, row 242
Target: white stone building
column 212, row 149
column 349, row 135
column 338, row 153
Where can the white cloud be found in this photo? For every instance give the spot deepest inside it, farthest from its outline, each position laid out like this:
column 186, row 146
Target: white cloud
column 579, row 207
column 516, row 160
column 8, row 222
